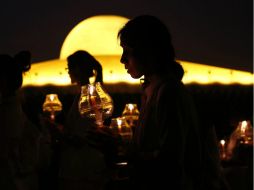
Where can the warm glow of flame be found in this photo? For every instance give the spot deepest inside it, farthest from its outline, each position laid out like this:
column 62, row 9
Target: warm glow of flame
column 122, row 163
column 91, row 89
column 119, row 123
column 131, row 107
column 243, row 127
column 222, row 142
column 52, row 97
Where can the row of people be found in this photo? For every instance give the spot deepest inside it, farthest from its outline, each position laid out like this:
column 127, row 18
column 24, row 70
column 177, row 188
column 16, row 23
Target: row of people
column 168, row 148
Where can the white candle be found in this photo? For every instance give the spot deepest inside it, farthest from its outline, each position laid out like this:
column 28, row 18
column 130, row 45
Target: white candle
column 223, row 152
column 243, row 128
column 131, row 107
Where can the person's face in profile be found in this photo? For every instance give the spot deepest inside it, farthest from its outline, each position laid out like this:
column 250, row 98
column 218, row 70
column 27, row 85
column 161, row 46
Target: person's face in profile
column 73, row 74
column 79, row 74
column 131, row 64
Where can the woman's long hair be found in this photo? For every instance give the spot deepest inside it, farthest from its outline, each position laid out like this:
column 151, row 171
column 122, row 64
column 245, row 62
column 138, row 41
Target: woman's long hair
column 87, row 63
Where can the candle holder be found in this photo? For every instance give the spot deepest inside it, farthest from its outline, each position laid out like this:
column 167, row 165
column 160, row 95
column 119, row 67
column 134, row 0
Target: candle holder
column 240, row 138
column 131, row 113
column 52, row 105
column 244, row 132
column 95, row 103
column 119, row 126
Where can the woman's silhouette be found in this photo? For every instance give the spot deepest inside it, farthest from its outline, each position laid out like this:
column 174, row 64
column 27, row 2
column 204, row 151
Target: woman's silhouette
column 166, row 151
column 82, row 165
column 19, row 141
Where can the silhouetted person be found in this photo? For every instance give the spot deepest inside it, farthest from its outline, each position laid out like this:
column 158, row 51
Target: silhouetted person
column 82, row 166
column 166, row 152
column 82, row 66
column 19, row 138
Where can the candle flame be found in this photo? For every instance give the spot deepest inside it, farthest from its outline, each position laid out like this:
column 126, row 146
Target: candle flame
column 243, row 126
column 222, row 142
column 52, row 97
column 119, row 123
column 131, row 107
column 91, row 90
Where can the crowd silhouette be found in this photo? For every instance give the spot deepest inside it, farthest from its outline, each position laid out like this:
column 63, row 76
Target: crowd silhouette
column 172, row 147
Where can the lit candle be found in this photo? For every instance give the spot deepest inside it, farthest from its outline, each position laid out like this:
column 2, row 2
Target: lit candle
column 119, row 124
column 131, row 108
column 222, row 142
column 52, row 114
column 52, row 97
column 94, row 105
column 223, row 152
column 92, row 97
column 52, row 105
column 243, row 128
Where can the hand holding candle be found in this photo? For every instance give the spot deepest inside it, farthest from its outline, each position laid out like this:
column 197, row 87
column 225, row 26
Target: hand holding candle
column 131, row 114
column 95, row 103
column 52, row 105
column 245, row 132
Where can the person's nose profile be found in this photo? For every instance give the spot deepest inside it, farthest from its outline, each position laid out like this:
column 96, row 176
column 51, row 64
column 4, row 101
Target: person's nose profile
column 123, row 59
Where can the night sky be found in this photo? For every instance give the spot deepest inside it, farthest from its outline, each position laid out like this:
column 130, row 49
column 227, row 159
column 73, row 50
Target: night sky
column 213, row 32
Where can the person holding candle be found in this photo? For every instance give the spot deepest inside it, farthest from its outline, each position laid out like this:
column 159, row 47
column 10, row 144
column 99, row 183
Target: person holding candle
column 166, row 150
column 20, row 139
column 82, row 164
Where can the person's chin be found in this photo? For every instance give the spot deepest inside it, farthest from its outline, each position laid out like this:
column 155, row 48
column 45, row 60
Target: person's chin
column 135, row 76
column 73, row 81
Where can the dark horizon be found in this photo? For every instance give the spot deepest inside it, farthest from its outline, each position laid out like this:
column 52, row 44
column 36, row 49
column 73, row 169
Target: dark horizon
column 218, row 33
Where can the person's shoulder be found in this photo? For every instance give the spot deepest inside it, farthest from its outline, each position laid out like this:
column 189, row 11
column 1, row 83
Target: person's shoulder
column 171, row 83
column 174, row 89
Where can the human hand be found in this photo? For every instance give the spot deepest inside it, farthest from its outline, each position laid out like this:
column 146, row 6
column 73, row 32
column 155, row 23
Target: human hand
column 103, row 139
column 101, row 135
